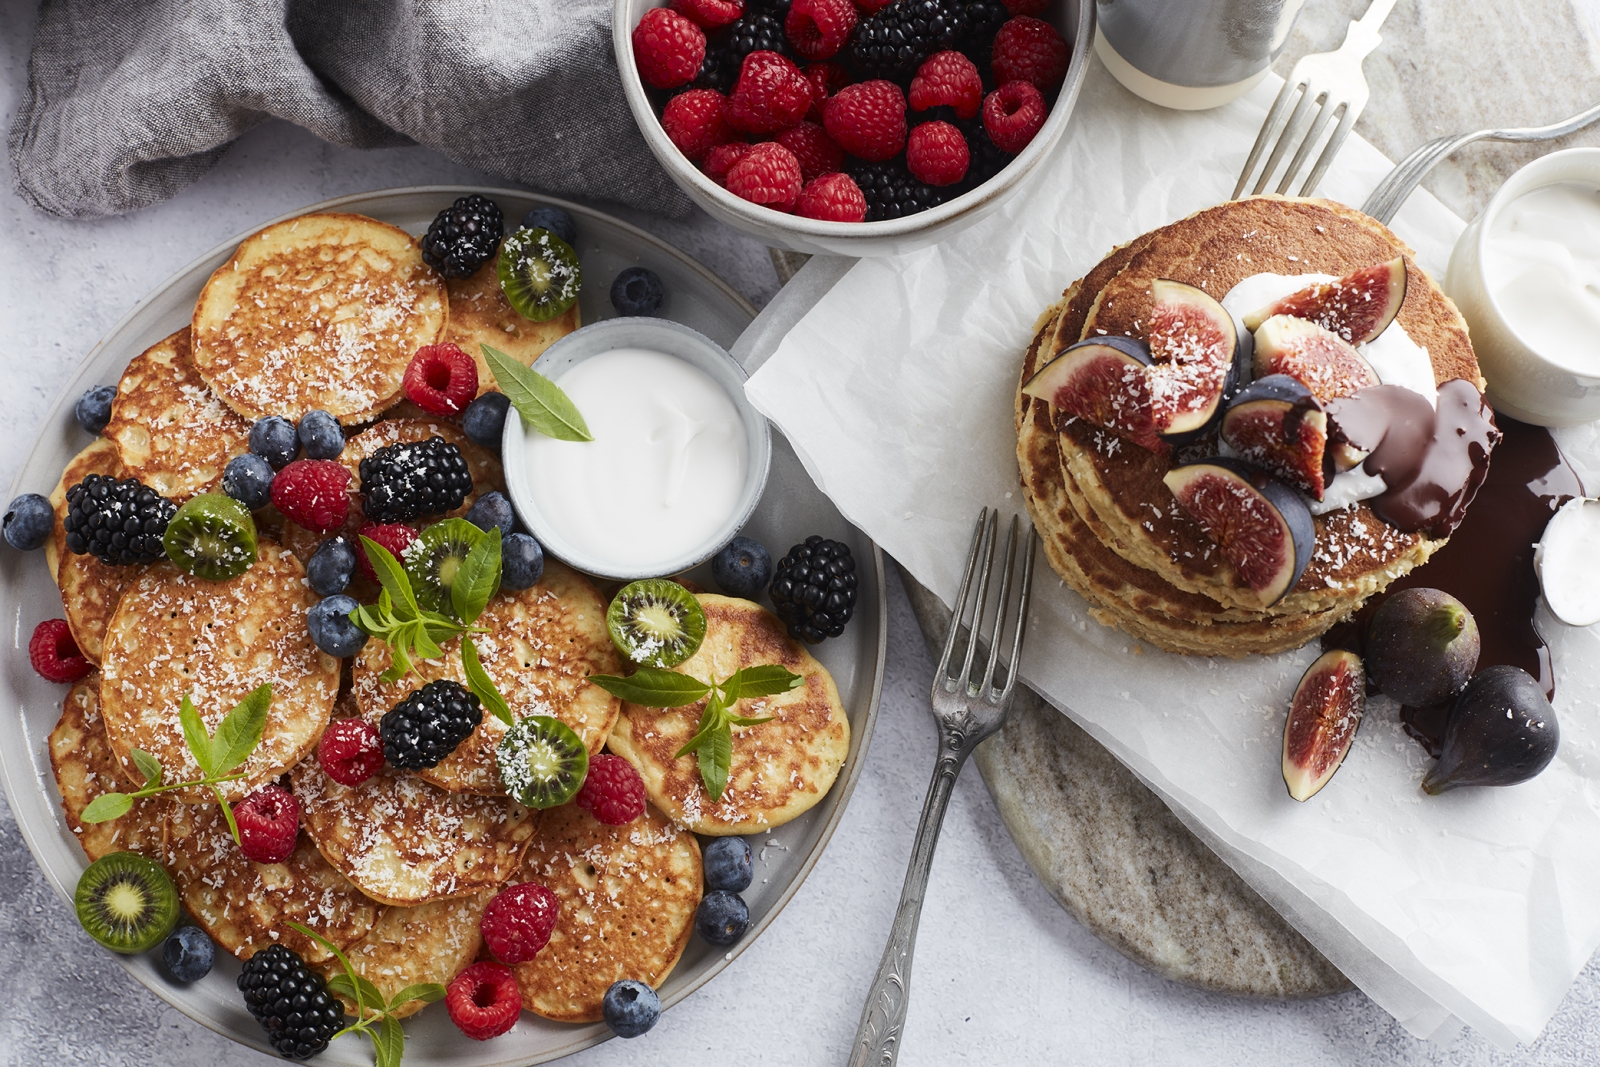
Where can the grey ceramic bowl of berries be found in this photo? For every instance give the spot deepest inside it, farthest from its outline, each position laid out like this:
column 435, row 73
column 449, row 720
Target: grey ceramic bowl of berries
column 717, row 80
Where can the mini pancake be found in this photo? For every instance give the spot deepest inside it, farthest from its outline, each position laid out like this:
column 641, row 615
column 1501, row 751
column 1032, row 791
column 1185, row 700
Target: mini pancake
column 780, row 768
column 541, row 646
column 84, row 769
column 174, row 633
column 407, row 946
column 89, row 588
column 628, row 896
column 171, row 431
column 321, row 311
column 480, row 315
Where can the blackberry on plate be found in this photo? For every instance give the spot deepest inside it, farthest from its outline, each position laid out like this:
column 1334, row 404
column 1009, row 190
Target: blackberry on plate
column 427, row 725
column 892, row 192
column 290, row 1001
column 410, row 479
column 814, row 589
column 118, row 522
column 464, row 236
column 893, row 43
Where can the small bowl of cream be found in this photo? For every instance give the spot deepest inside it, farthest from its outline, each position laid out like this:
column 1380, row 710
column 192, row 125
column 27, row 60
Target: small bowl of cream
column 678, row 461
column 1526, row 275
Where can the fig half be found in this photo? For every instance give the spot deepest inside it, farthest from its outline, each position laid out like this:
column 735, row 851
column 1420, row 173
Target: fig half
column 1261, row 526
column 1357, row 307
column 1193, row 342
column 1501, row 731
column 1326, row 363
column 1322, row 722
column 1102, row 381
column 1276, row 423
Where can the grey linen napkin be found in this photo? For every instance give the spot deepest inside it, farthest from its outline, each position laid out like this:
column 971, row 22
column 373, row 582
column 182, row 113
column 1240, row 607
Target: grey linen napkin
column 128, row 101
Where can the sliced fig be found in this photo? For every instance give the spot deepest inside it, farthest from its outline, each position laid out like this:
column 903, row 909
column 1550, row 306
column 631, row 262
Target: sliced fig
column 1323, row 717
column 1103, row 381
column 1501, row 731
column 1357, row 307
column 1326, row 363
column 1261, row 526
column 1193, row 342
column 1276, row 423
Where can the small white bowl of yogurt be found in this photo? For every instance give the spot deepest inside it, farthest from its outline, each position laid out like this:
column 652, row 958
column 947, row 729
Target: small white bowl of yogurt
column 678, row 461
column 1526, row 275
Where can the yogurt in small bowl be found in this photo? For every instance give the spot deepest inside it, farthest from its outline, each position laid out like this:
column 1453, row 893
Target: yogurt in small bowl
column 678, row 461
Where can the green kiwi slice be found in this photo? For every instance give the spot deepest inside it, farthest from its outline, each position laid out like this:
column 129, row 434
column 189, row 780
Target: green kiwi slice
column 434, row 558
column 542, row 762
column 212, row 536
column 656, row 622
column 126, row 902
column 539, row 273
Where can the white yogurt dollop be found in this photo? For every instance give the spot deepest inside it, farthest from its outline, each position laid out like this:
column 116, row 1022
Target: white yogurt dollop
column 664, row 472
column 1541, row 263
column 1566, row 559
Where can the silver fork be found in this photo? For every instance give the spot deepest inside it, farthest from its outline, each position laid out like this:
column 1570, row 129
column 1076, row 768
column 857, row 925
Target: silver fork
column 1331, row 79
column 967, row 710
column 1386, row 199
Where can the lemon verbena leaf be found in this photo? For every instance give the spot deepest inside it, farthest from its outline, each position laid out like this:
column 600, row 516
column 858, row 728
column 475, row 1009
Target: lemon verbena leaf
column 427, row 992
column 653, row 687
column 240, row 731
column 716, row 758
column 477, row 578
column 481, row 685
column 541, row 403
column 148, row 766
column 105, row 807
column 388, row 1042
column 392, row 576
column 195, row 735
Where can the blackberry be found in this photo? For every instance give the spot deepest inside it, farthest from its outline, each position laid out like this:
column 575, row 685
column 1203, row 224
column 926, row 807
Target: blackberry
column 893, row 43
column 891, row 191
column 117, row 522
column 755, row 31
column 410, row 479
column 290, row 1001
column 427, row 726
column 814, row 589
column 464, row 236
column 986, row 158
column 980, row 22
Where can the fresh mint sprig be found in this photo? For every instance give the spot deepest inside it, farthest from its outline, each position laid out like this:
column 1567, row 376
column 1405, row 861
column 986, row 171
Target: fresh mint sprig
column 374, row 1014
column 712, row 742
column 541, row 403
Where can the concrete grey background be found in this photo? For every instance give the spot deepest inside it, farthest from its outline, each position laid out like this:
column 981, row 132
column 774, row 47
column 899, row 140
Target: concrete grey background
column 1001, row 972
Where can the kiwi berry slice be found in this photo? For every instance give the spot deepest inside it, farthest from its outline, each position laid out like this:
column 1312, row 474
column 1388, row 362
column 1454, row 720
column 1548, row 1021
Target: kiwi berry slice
column 126, row 902
column 211, row 536
column 539, row 273
column 434, row 558
column 542, row 762
column 656, row 622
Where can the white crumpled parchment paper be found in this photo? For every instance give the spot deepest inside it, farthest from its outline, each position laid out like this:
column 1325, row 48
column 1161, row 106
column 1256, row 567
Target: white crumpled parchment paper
column 896, row 389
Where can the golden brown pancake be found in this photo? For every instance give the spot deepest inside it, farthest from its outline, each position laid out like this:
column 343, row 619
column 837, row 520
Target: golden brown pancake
column 409, row 946
column 480, row 315
column 89, row 588
column 84, row 769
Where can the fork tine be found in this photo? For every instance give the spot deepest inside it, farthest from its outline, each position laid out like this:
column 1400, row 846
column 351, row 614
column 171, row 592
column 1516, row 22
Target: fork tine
column 961, row 603
column 1318, row 124
column 987, row 688
column 1347, row 122
column 1292, row 132
column 1268, row 128
column 964, row 678
column 1022, row 619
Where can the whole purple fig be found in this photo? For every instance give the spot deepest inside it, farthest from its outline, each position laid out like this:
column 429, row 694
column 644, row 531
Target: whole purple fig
column 1501, row 731
column 1422, row 646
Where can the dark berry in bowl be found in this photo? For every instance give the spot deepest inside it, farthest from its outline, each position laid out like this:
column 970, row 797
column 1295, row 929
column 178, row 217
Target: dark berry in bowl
column 743, row 568
column 638, row 291
column 93, row 409
column 814, row 589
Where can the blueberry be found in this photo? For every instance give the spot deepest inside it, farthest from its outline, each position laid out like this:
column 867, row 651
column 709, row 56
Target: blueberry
column 275, row 440
column 331, row 567
column 320, row 435
column 555, row 220
column 29, row 520
column 331, row 628
column 188, row 953
column 638, row 291
column 485, row 419
column 248, row 479
column 743, row 568
column 722, row 917
column 630, row 1008
column 727, row 864
column 93, row 409
column 521, row 561
column 493, row 509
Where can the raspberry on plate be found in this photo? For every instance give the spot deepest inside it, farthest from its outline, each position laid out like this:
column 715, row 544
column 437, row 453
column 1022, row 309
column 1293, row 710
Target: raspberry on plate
column 771, row 94
column 826, row 78
column 313, row 493
column 518, row 921
column 814, row 149
column 484, row 1001
column 1013, row 114
column 668, row 48
column 767, row 174
column 832, row 198
column 696, row 121
column 54, row 654
column 613, row 792
column 1027, row 49
column 819, row 28
column 269, row 822
column 441, row 379
column 867, row 119
column 721, row 159
column 395, row 536
column 948, row 79
column 936, row 153
column 710, row 14
column 351, row 751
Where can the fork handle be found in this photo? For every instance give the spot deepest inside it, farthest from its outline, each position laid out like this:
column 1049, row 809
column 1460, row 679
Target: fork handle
column 884, row 1015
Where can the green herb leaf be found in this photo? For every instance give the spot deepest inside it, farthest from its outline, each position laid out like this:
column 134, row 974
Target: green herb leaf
column 388, row 1042
column 340, row 985
column 148, row 766
column 401, row 665
column 418, row 636
column 710, row 719
column 105, row 807
column 477, row 578
column 227, row 813
column 734, row 720
column 541, row 403
column 352, row 981
column 392, row 576
column 195, row 735
column 240, row 731
column 765, row 680
column 716, row 758
column 427, row 992
column 482, row 685
column 653, row 687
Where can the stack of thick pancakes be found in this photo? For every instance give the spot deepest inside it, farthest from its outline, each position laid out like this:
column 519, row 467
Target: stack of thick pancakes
column 1110, row 527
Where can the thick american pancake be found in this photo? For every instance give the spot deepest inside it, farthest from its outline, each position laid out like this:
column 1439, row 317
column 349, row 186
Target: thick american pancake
column 89, row 588
column 320, row 311
column 480, row 315
column 174, row 634
column 541, row 645
column 628, row 895
column 171, row 431
column 408, row 946
column 84, row 769
column 780, row 768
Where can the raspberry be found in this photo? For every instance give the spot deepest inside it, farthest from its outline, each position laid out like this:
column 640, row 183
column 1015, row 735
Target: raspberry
column 771, row 94
column 1027, row 7
column 948, row 79
column 721, row 159
column 351, row 751
column 819, row 28
column 936, row 153
column 832, row 198
column 697, row 121
column 1012, row 114
column 313, row 494
column 483, row 1001
column 54, row 654
column 867, row 119
column 813, row 148
column 394, row 536
column 826, row 79
column 872, row 7
column 441, row 379
column 613, row 792
column 711, row 14
column 1029, row 50
column 767, row 174
column 668, row 48
column 269, row 822
column 518, row 921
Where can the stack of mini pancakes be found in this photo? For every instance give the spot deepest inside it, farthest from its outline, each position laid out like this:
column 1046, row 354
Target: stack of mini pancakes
column 1110, row 527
